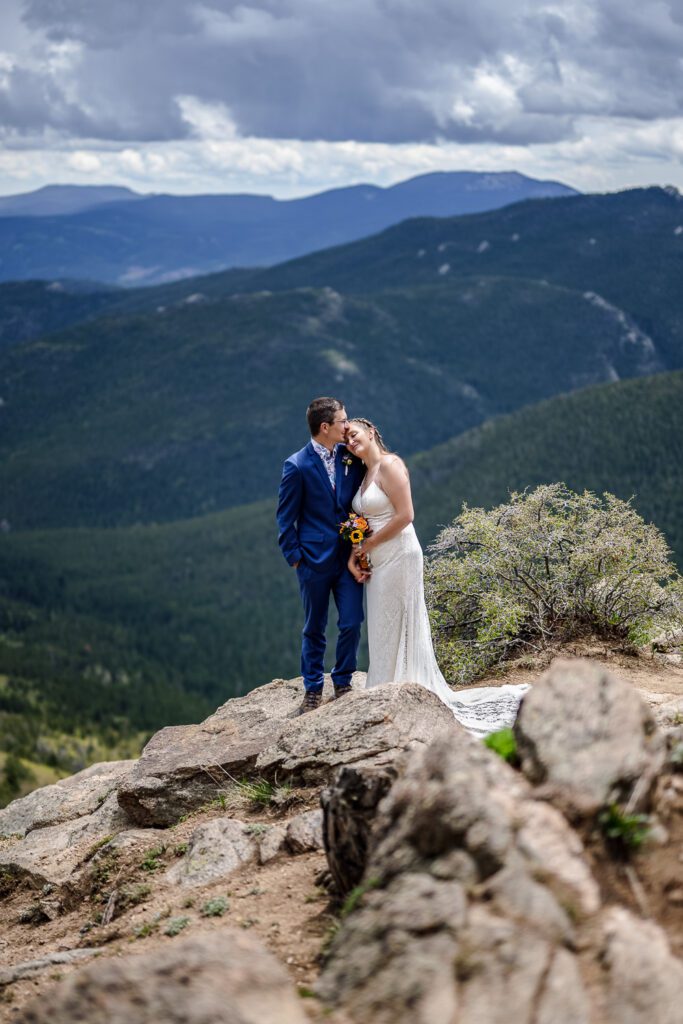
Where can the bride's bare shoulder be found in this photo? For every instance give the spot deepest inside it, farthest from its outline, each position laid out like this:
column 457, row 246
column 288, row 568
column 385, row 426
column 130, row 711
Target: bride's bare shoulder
column 392, row 465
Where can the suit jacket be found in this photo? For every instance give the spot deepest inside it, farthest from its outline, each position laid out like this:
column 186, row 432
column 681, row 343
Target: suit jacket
column 309, row 511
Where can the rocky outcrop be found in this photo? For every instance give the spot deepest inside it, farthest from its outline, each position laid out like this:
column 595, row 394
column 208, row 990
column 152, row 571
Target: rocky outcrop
column 371, row 727
column 669, row 714
column 76, row 797
column 589, row 738
column 349, row 810
column 473, row 887
column 53, row 831
column 53, row 855
column 478, row 900
column 304, row 832
column 183, row 766
column 470, row 896
column 644, row 981
column 216, row 850
column 219, row 848
column 220, row 978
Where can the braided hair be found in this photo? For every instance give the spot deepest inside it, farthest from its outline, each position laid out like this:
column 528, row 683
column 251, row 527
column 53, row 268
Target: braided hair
column 371, row 426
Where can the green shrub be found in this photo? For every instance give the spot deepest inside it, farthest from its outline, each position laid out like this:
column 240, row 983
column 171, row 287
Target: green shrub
column 130, row 896
column 215, row 907
column 504, row 744
column 176, row 925
column 147, row 928
column 549, row 566
column 626, row 831
column 263, row 793
column 356, row 895
column 152, row 859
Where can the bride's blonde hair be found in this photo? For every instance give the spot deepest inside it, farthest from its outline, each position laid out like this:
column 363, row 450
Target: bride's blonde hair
column 371, row 426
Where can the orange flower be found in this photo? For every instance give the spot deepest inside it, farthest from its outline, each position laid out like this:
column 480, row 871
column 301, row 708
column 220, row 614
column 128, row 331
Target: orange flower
column 361, row 524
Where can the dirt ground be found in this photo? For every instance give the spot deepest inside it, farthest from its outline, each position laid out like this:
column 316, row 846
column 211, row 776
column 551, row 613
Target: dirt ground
column 654, row 675
column 281, row 901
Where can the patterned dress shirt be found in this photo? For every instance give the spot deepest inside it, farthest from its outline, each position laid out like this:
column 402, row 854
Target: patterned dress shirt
column 328, row 461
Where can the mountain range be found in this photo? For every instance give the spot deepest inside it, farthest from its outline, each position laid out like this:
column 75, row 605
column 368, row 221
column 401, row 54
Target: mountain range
column 142, row 433
column 166, row 403
column 114, row 235
column 58, row 200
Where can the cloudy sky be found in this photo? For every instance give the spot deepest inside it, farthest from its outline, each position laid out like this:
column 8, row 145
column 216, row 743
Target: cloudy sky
column 293, row 96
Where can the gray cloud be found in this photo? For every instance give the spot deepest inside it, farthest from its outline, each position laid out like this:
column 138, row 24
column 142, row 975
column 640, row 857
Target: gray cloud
column 371, row 70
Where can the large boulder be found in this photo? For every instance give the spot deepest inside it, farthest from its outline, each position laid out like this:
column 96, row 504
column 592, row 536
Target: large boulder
column 215, row 851
column 183, row 766
column 478, row 904
column 669, row 713
column 222, row 977
column 368, row 727
column 474, row 895
column 218, row 848
column 644, row 979
column 305, row 832
column 349, row 810
column 53, row 855
column 588, row 738
column 79, row 795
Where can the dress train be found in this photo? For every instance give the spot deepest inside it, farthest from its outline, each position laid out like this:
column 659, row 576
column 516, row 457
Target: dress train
column 399, row 633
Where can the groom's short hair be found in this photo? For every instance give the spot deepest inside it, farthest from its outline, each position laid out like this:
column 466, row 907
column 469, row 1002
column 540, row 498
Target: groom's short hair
column 322, row 410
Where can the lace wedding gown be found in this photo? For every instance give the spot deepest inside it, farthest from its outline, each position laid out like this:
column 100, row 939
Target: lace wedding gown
column 399, row 633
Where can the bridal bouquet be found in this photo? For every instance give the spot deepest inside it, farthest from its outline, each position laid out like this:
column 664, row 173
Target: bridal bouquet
column 355, row 529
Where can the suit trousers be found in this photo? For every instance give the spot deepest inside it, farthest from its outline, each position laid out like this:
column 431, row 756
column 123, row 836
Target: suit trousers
column 315, row 588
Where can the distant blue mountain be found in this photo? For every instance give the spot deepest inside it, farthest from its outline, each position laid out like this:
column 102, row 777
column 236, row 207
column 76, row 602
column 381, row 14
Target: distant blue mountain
column 58, row 200
column 114, row 235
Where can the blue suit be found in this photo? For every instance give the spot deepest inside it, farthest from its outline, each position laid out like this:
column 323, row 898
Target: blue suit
column 308, row 516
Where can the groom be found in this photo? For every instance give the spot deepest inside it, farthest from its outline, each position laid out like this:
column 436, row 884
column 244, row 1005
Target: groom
column 317, row 487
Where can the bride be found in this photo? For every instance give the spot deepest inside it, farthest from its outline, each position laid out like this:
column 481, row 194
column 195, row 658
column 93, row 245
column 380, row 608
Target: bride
column 399, row 635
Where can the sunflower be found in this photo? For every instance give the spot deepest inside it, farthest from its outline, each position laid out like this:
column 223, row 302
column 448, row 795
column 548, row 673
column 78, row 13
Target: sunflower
column 356, row 536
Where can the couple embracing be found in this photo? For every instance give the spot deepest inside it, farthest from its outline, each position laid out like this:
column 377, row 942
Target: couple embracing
column 346, row 467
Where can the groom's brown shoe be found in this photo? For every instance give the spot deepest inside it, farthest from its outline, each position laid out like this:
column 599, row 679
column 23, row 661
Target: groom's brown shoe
column 341, row 691
column 312, row 700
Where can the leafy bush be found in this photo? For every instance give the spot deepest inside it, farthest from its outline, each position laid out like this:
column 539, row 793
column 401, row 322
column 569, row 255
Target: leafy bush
column 152, row 858
column 550, row 565
column 627, row 832
column 176, row 925
column 215, row 907
column 504, row 744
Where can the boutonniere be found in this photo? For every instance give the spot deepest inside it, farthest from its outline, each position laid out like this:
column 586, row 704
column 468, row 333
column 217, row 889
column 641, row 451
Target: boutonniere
column 347, row 460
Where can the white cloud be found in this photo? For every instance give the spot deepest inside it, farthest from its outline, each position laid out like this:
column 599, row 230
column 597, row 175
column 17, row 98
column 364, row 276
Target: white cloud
column 604, row 154
column 206, row 120
column 291, row 96
column 87, row 163
column 372, row 70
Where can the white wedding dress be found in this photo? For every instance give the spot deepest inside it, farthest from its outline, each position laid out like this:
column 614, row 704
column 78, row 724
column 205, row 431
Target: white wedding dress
column 399, row 633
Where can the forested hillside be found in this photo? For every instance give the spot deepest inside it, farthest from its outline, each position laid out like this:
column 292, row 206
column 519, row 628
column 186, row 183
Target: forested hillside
column 191, row 408
column 142, row 435
column 109, row 632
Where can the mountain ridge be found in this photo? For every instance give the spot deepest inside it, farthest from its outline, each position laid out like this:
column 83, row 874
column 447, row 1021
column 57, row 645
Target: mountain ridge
column 150, row 239
column 161, row 416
